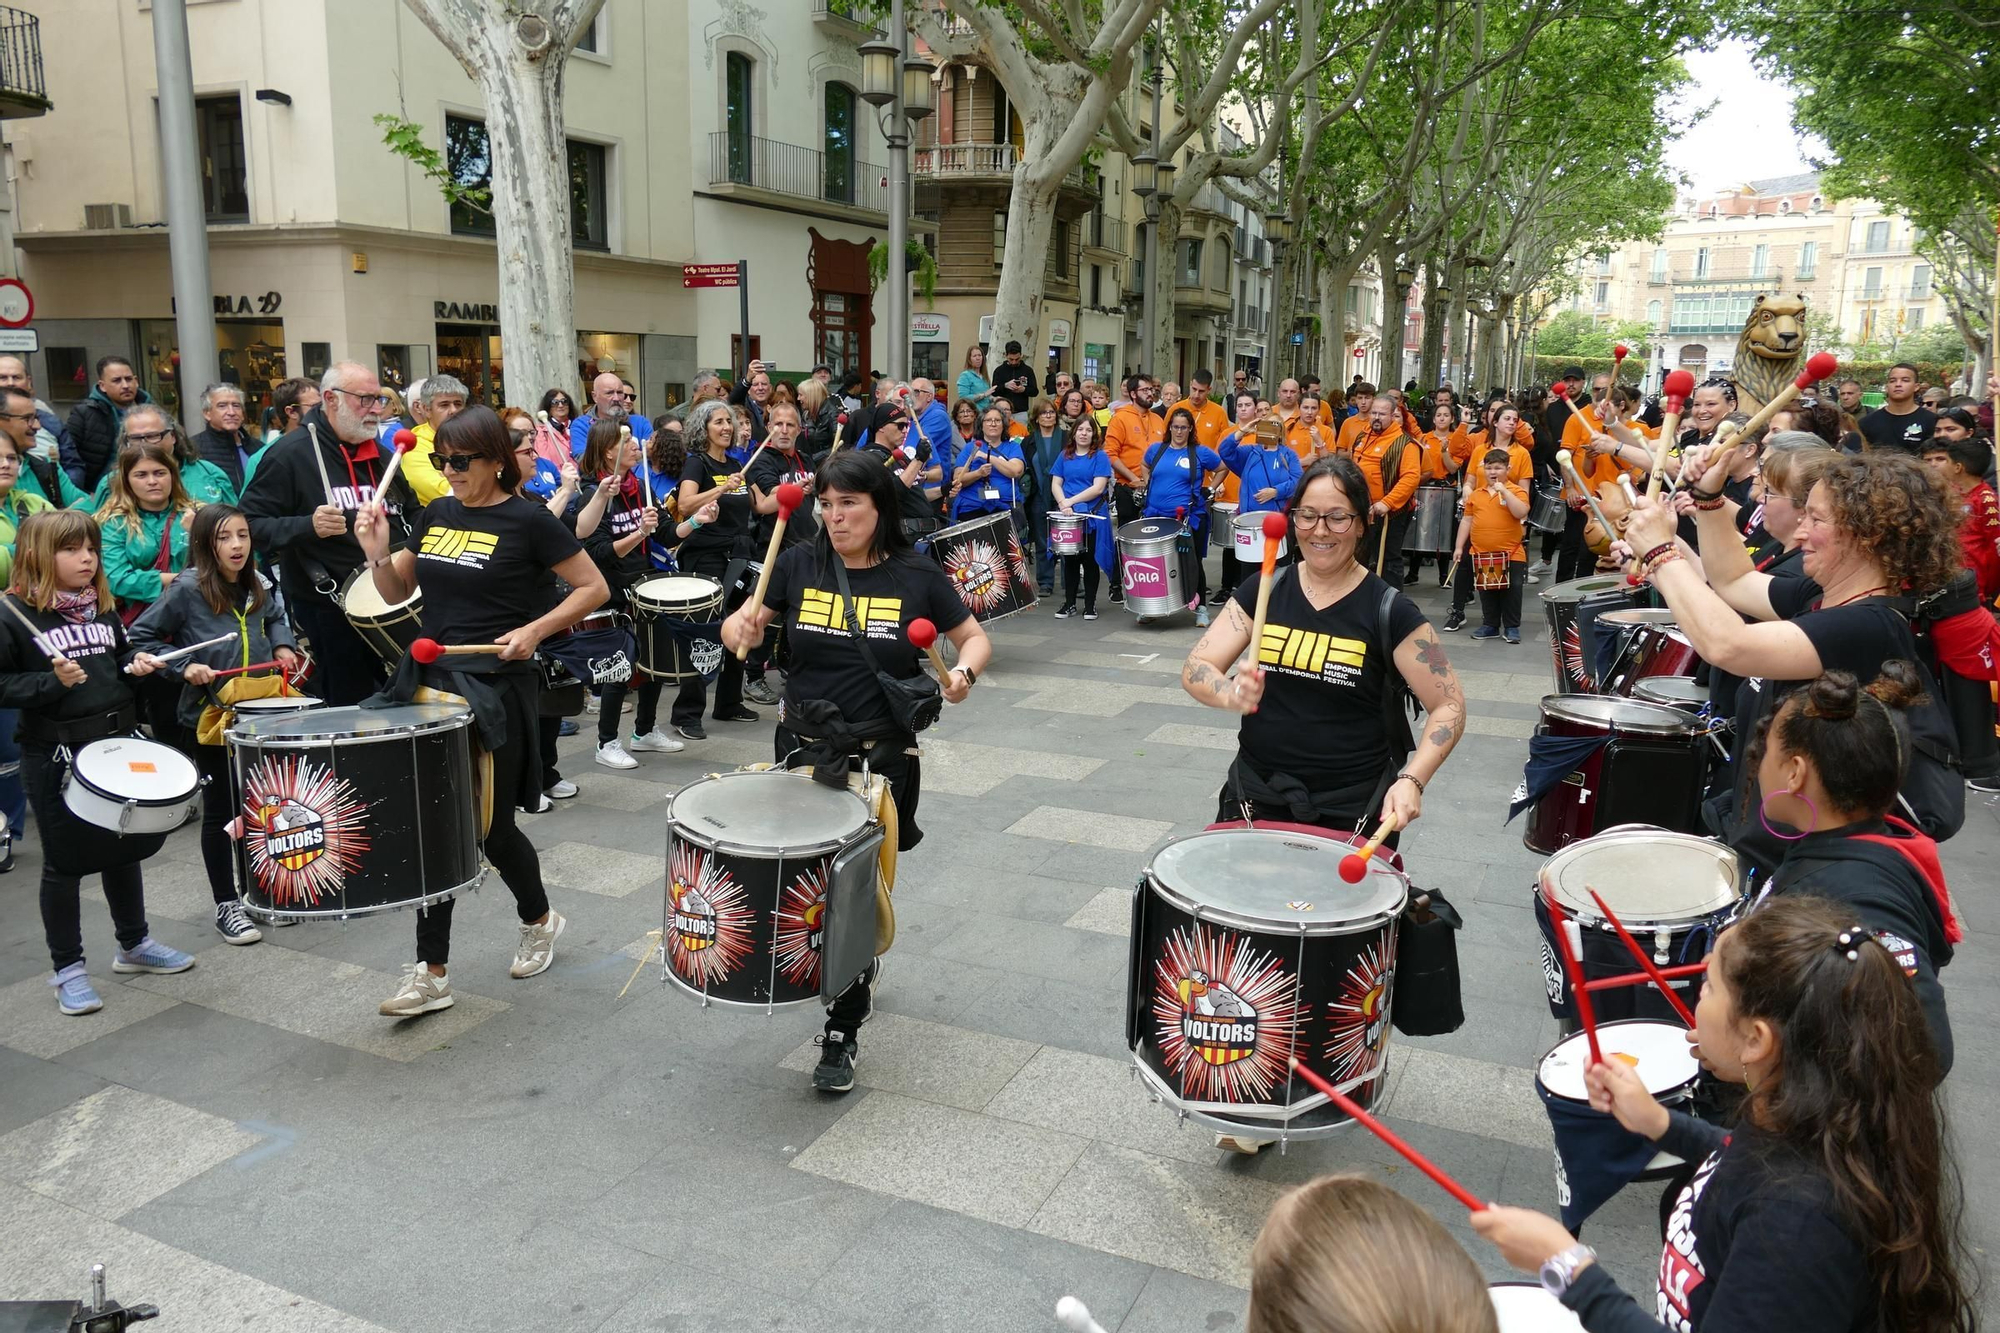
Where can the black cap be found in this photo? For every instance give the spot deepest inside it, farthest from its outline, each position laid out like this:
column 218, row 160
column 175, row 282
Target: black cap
column 821, row 367
column 1573, row 372
column 1013, row 345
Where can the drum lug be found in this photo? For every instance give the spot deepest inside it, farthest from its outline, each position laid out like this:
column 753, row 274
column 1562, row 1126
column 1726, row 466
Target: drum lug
column 1662, row 945
column 125, row 815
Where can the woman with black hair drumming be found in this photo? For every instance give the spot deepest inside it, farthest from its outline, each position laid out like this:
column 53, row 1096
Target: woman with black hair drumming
column 1832, row 1205
column 1830, row 764
column 862, row 568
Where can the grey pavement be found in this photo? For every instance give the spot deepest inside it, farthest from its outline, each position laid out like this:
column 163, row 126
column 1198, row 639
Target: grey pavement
column 250, row 1145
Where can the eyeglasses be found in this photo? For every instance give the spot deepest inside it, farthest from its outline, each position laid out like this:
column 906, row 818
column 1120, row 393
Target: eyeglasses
column 559, row 401
column 380, row 400
column 1312, row 518
column 456, row 462
column 19, row 416
column 148, row 436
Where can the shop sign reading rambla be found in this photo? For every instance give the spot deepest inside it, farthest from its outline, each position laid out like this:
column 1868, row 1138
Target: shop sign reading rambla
column 467, row 312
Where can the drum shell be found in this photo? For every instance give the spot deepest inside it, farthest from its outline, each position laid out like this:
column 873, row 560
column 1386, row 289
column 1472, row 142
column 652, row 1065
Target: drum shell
column 1150, row 567
column 160, row 811
column 1638, row 777
column 1066, row 533
column 1434, row 521
column 389, row 630
column 1546, row 510
column 1247, row 531
column 662, row 654
column 1561, row 603
column 983, row 559
column 1654, row 651
column 386, row 813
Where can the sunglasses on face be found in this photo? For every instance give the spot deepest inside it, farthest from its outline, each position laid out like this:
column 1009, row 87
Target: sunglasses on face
column 456, row 462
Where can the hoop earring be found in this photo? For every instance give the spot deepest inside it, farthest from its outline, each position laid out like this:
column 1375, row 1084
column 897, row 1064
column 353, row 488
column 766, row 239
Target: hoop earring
column 1764, row 814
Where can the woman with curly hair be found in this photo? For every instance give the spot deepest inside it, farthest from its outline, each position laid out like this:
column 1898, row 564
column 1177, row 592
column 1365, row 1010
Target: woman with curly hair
column 1876, row 528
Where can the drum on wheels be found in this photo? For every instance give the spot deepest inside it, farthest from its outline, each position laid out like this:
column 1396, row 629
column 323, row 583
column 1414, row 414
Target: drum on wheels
column 1433, row 519
column 1066, row 533
column 1648, row 643
column 1650, row 766
column 666, row 651
column 1248, row 949
column 388, row 628
column 1673, row 891
column 1562, row 602
column 354, row 811
column 986, row 565
column 1148, row 553
column 770, row 894
column 131, row 786
column 1546, row 510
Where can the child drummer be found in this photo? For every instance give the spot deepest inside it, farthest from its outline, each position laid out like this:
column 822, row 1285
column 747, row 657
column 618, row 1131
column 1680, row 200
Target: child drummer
column 1493, row 529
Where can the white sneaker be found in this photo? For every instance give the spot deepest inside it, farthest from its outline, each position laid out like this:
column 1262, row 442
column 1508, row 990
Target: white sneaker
column 538, row 946
column 562, row 790
column 656, row 741
column 612, row 755
column 591, row 703
column 420, row 994
column 1540, row 567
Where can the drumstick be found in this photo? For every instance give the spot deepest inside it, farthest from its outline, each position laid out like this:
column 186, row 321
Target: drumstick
column 193, row 648
column 1354, row 866
column 645, row 476
column 1676, row 389
column 1618, row 355
column 404, row 440
column 753, row 455
column 924, row 635
column 1573, row 968
column 1074, row 1315
column 1568, row 464
column 1818, row 367
column 1646, row 962
column 254, row 666
column 1624, row 979
column 1275, row 527
column 40, row 640
column 427, row 651
column 1390, row 1137
column 789, row 497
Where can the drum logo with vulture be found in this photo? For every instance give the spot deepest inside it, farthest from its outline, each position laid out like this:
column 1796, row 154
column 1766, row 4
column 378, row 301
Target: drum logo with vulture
column 305, row 829
column 1226, row 1015
column 709, row 918
column 801, row 927
column 980, row 574
column 706, row 656
column 1358, row 1017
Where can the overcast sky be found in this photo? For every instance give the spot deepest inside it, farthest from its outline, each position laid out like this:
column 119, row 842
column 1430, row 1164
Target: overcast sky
column 1748, row 136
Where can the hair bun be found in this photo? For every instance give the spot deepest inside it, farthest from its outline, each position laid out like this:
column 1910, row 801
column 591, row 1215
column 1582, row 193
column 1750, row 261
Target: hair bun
column 1900, row 686
column 1833, row 696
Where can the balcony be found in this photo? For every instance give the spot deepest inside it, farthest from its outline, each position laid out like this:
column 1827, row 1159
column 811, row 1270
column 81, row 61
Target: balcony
column 1714, row 277
column 1919, row 292
column 742, row 163
column 22, row 92
column 970, row 162
column 840, row 16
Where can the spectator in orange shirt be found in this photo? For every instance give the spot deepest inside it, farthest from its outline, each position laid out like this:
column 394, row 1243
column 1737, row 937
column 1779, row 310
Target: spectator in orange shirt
column 1288, row 400
column 1211, row 422
column 1311, row 389
column 1493, row 526
column 1308, row 434
column 1390, row 461
column 1134, row 428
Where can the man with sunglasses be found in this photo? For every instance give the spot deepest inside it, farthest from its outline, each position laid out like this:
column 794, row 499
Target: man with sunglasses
column 301, row 503
column 607, row 399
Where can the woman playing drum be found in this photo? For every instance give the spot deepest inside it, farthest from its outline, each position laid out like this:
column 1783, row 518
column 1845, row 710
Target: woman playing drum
column 1080, row 483
column 834, row 702
column 1323, row 729
column 485, row 560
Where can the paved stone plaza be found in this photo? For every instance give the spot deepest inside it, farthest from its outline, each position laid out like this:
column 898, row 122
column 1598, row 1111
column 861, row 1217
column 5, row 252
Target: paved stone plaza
column 251, row 1146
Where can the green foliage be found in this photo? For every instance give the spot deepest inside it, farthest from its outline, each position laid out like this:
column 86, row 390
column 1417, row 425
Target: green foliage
column 1941, row 343
column 1546, row 369
column 1575, row 334
column 922, row 263
column 405, row 139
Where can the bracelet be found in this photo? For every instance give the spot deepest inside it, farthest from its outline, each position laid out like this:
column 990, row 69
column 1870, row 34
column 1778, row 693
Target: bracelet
column 1697, row 494
column 1709, row 506
column 1654, row 567
column 1407, row 776
column 1656, row 553
column 380, row 561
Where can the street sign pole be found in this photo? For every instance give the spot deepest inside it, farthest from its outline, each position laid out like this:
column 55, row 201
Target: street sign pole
column 743, row 311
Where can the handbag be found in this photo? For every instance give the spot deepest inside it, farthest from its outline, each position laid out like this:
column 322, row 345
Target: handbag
column 914, row 704
column 1427, row 1001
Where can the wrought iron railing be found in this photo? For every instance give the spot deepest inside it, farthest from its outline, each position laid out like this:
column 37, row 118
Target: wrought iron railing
column 984, row 159
column 21, row 55
column 803, row 173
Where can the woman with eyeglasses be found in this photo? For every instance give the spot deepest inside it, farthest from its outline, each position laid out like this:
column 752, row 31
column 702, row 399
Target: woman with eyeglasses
column 205, row 483
column 486, row 560
column 1323, row 739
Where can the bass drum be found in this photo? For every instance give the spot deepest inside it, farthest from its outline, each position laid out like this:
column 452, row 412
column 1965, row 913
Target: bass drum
column 1561, row 603
column 666, row 652
column 986, row 565
column 388, row 629
column 1650, row 766
column 1434, row 521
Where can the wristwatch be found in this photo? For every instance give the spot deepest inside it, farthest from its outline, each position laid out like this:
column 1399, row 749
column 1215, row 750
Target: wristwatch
column 971, row 676
column 1559, row 1269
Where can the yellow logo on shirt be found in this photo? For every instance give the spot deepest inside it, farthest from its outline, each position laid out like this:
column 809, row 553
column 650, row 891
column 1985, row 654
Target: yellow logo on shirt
column 471, row 549
column 828, row 610
column 1309, row 651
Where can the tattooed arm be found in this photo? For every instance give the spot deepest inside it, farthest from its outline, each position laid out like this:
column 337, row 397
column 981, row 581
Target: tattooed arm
column 1421, row 660
column 1205, row 673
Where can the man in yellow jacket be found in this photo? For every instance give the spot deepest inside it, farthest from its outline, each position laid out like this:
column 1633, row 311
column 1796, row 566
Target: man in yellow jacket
column 437, row 400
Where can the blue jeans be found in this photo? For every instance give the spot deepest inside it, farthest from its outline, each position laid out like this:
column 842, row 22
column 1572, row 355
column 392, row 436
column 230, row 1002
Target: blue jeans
column 13, row 796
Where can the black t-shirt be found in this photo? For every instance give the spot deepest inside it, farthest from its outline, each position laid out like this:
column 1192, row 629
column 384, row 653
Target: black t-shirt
column 488, row 570
column 624, row 511
column 732, row 525
column 1884, row 430
column 826, row 662
column 772, row 470
column 1324, row 674
column 1858, row 637
column 1783, row 567
column 1015, row 383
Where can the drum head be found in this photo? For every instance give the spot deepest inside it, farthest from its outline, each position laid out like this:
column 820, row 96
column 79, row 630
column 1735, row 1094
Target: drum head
column 1288, row 880
column 1523, row 1307
column 362, row 598
column 1615, row 714
column 1650, row 877
column 1657, row 1052
column 1669, row 690
column 1578, row 589
column 676, row 589
column 1148, row 529
column 130, row 769
column 283, row 703
column 768, row 809
column 356, row 723
column 1635, row 616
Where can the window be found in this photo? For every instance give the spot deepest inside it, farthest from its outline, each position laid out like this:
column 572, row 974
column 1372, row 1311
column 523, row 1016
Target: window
column 1222, row 268
column 1602, row 297
column 1003, row 115
column 393, row 365
column 317, row 356
column 1808, row 260
column 1653, row 309
column 1660, row 264
column 1138, row 282
column 587, row 227
column 1878, row 237
column 1604, row 263
column 1701, row 262
column 592, row 38
column 1097, row 286
column 1760, row 261
column 736, row 110
column 1097, row 215
column 1062, row 248
column 1871, row 284
column 1190, row 263
column 839, row 140
column 839, row 320
column 470, row 161
column 1920, row 282
column 1913, row 319
column 1784, row 207
column 225, row 193
column 999, row 239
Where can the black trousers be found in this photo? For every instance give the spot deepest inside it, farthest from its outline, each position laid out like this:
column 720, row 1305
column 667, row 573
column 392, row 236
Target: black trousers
column 218, row 807
column 645, row 716
column 345, row 669
column 62, row 908
column 693, row 696
column 506, row 846
column 1394, row 529
column 1498, row 606
column 548, row 731
column 1573, row 560
column 1084, row 565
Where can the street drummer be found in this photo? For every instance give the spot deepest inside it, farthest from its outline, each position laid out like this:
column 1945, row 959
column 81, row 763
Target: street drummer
column 835, row 707
column 62, row 648
column 1831, row 1203
column 1324, row 739
column 1489, row 543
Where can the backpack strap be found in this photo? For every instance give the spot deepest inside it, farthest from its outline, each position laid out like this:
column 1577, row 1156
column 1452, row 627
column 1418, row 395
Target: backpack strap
column 1395, row 716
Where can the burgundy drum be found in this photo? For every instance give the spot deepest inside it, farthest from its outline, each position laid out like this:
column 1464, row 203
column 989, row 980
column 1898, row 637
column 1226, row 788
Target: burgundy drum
column 1562, row 603
column 1651, row 769
column 1652, row 645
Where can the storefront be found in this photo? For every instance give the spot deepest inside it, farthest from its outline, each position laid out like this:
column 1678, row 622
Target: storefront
column 930, row 348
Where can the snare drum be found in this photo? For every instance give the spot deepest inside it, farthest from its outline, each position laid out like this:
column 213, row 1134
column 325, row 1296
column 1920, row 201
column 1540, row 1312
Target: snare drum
column 1148, row 552
column 1672, row 692
column 388, row 629
column 664, row 654
column 769, row 875
column 1066, row 535
column 1433, row 519
column 1562, row 603
column 1546, row 510
column 1657, row 1052
column 1247, row 531
column 1652, row 769
column 1524, row 1307
column 983, row 559
column 1489, row 571
column 1673, row 891
column 354, row 811
column 132, row 786
column 1650, row 643
column 1248, row 948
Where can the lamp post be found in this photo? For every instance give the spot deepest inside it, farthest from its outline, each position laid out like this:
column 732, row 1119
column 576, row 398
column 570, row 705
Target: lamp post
column 899, row 88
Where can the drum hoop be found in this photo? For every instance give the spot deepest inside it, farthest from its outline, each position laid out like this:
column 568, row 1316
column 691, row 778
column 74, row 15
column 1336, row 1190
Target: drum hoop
column 1547, row 887
column 675, row 605
column 999, row 518
column 1222, row 916
column 676, row 828
column 1684, row 725
column 1676, row 1091
column 307, row 740
column 266, row 914
column 76, row 774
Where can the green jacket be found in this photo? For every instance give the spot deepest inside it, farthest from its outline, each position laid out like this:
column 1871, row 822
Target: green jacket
column 205, row 483
column 14, row 509
column 71, row 497
column 131, row 560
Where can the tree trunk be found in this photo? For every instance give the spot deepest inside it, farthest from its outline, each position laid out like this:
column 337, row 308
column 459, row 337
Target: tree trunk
column 1394, row 299
column 1433, row 346
column 1278, row 347
column 1024, row 263
column 523, row 91
column 1162, row 282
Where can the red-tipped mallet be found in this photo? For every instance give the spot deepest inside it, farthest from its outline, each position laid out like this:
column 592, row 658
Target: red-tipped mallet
column 1390, row 1137
column 1569, row 948
column 1354, row 866
column 404, row 440
column 1674, row 390
column 789, row 497
column 1819, row 366
column 1618, row 355
column 924, row 635
column 1275, row 528
column 1646, row 963
column 427, row 651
